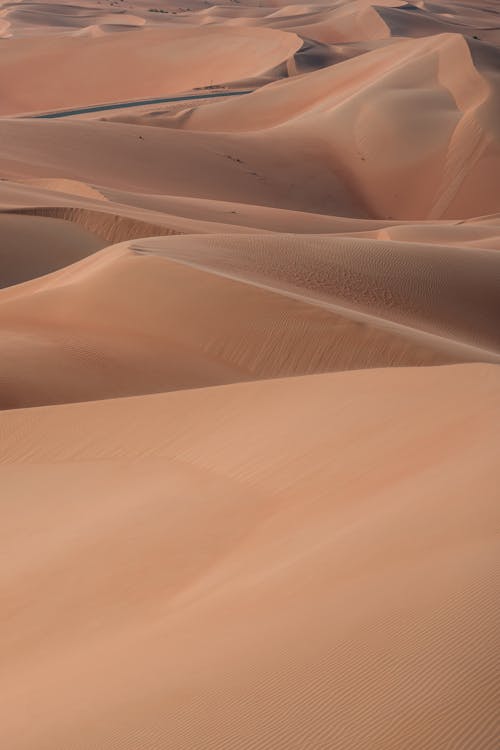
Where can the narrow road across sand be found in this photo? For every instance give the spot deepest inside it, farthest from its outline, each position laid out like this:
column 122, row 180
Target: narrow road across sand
column 137, row 103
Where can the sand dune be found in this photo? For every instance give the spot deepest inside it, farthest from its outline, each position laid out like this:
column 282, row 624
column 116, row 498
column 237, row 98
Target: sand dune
column 435, row 18
column 141, row 216
column 133, row 159
column 417, row 113
column 118, row 67
column 449, row 117
column 191, row 215
column 422, row 287
column 120, row 333
column 251, row 307
column 243, row 567
column 249, row 374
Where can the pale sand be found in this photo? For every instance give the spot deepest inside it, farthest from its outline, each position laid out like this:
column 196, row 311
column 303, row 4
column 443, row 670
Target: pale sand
column 249, row 381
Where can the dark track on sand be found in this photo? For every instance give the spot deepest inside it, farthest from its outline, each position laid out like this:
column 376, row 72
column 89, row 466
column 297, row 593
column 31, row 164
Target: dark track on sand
column 136, row 103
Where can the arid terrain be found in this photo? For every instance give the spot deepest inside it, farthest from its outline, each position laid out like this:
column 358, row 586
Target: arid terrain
column 249, row 375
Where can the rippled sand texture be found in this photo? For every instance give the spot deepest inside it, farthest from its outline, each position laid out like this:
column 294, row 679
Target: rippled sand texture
column 249, row 375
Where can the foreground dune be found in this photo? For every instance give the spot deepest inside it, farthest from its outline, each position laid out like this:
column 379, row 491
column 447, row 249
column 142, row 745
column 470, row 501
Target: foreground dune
column 276, row 564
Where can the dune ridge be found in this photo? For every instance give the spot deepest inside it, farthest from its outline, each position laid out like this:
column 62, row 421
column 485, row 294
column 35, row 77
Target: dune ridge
column 268, row 310
column 109, row 227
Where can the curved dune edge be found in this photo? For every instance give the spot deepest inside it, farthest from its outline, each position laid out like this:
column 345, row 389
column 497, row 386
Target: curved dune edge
column 164, row 212
column 163, row 314
column 448, row 291
column 105, row 227
column 193, row 215
column 282, row 561
column 110, row 227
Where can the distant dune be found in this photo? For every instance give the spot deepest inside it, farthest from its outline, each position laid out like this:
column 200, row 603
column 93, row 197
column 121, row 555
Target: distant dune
column 249, row 375
column 121, row 66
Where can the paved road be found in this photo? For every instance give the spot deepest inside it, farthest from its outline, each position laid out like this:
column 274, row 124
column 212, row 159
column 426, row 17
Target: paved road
column 137, row 103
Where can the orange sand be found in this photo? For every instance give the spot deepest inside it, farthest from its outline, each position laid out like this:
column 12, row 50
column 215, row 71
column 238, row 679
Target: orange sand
column 249, row 382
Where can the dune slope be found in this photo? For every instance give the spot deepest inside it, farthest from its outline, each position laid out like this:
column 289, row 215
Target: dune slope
column 33, row 246
column 278, row 564
column 170, row 313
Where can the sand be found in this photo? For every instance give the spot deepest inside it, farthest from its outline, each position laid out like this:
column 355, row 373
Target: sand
column 249, row 375
column 275, row 564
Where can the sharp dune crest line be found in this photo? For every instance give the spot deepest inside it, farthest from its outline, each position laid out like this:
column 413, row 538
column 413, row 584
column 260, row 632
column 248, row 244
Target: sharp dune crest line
column 252, row 307
column 249, row 375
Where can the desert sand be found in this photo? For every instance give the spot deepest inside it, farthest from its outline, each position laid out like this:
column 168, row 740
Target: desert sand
column 249, row 375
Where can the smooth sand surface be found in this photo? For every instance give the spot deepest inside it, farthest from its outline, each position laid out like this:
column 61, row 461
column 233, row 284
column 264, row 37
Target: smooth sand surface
column 306, row 562
column 249, row 375
column 144, row 63
column 32, row 246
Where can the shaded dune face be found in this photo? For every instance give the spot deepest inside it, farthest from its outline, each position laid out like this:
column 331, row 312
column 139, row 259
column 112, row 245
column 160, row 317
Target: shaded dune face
column 249, row 375
column 33, row 246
